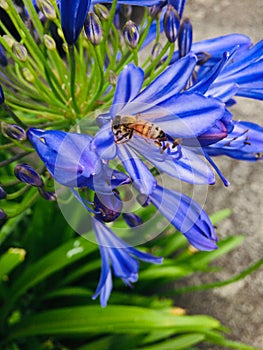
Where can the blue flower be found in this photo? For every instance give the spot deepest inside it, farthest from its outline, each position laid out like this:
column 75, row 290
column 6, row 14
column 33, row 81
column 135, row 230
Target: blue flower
column 119, row 257
column 181, row 116
column 187, row 216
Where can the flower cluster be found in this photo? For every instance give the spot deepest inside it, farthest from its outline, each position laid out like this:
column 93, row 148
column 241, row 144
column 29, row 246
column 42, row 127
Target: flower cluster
column 104, row 125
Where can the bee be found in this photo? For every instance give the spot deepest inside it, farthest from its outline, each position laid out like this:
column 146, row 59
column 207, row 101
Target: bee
column 123, row 128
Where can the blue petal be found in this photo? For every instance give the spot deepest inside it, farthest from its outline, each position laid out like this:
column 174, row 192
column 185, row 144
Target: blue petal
column 167, row 84
column 187, row 216
column 215, row 47
column 184, row 165
column 128, row 86
column 105, row 283
column 68, row 156
column 187, row 115
column 142, row 178
column 103, row 143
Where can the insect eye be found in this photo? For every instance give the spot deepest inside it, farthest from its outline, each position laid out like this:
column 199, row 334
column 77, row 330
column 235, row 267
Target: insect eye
column 42, row 139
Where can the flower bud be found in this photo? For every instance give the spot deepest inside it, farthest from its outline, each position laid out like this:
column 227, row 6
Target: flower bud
column 25, row 173
column 49, row 42
column 3, row 59
column 112, row 78
column 3, row 216
column 28, row 75
column 102, row 12
column 156, row 10
column 13, row 132
column 9, row 40
column 131, row 34
column 185, row 38
column 93, row 28
column 2, row 193
column 20, row 51
column 156, row 50
column 47, row 8
column 132, row 219
column 4, row 5
column 109, row 206
column 2, row 96
column 73, row 14
column 171, row 23
column 49, row 196
column 127, row 11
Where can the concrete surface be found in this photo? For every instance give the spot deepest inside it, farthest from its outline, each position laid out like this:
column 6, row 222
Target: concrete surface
column 238, row 306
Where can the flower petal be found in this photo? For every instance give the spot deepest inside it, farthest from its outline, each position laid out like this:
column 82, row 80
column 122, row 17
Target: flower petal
column 185, row 164
column 142, row 178
column 128, row 86
column 187, row 216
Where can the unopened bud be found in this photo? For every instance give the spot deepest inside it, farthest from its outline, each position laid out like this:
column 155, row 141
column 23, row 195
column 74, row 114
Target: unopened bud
column 109, row 207
column 28, row 75
column 102, row 12
column 65, row 47
column 93, row 28
column 3, row 59
column 20, row 51
column 156, row 50
column 13, row 132
column 49, row 42
column 127, row 11
column 131, row 34
column 47, row 8
column 9, row 40
column 4, row 5
column 112, row 78
column 185, row 38
column 156, row 10
column 2, row 96
column 3, row 216
column 171, row 23
column 49, row 196
column 25, row 173
column 2, row 193
column 132, row 219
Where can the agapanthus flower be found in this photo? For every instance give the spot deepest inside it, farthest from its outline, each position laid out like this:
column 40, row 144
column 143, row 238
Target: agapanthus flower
column 180, row 117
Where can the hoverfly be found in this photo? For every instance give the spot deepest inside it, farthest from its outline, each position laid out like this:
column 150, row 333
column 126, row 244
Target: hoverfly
column 123, row 128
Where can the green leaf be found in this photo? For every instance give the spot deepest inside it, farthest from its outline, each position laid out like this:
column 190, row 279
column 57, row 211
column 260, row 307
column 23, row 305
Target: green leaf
column 113, row 319
column 59, row 258
column 220, row 215
column 181, row 342
column 9, row 260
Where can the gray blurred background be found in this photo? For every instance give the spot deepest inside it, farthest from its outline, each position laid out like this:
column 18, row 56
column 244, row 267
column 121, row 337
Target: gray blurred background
column 238, row 306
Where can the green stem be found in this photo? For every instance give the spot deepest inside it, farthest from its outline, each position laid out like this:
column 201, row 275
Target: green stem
column 14, row 116
column 72, row 63
column 99, row 64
